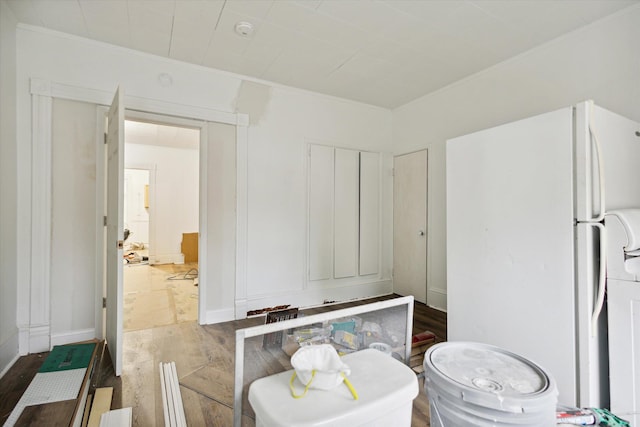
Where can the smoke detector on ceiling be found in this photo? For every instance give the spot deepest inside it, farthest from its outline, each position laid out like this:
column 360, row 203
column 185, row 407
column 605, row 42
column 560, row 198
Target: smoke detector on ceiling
column 244, row 29
column 165, row 79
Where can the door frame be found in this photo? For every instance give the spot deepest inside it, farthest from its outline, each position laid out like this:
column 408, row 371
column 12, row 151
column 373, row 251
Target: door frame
column 33, row 298
column 202, row 213
column 201, row 125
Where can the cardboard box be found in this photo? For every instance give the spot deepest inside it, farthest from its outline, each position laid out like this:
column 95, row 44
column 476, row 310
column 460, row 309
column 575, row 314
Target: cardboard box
column 189, row 247
column 419, row 345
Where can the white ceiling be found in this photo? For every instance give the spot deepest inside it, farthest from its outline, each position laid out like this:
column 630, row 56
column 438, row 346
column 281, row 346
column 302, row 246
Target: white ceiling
column 384, row 53
column 160, row 135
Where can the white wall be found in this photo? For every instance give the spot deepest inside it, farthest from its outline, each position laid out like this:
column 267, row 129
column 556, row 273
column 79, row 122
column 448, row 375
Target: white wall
column 282, row 121
column 73, row 217
column 277, row 226
column 600, row 62
column 136, row 214
column 174, row 196
column 8, row 190
column 221, row 223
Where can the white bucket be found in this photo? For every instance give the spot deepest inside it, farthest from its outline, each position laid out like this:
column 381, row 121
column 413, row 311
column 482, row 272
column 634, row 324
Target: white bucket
column 472, row 384
column 380, row 346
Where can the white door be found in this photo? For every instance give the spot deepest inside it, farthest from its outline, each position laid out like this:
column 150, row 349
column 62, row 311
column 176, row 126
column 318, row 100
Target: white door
column 410, row 225
column 115, row 233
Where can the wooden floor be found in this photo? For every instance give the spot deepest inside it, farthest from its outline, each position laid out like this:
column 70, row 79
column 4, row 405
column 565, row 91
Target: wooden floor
column 159, row 295
column 204, row 357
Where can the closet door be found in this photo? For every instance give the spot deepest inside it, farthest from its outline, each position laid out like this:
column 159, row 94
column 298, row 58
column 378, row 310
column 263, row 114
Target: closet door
column 320, row 209
column 346, row 211
column 409, row 225
column 369, row 213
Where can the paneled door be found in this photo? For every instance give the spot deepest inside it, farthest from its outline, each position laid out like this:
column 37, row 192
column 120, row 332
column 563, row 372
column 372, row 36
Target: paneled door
column 115, row 229
column 410, row 225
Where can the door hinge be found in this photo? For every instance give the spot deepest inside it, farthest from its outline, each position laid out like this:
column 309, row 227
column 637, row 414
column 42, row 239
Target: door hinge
column 393, row 171
column 105, row 137
column 104, row 302
column 105, row 221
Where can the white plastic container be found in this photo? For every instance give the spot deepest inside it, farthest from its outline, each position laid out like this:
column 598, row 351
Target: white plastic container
column 472, row 384
column 386, row 389
column 380, row 346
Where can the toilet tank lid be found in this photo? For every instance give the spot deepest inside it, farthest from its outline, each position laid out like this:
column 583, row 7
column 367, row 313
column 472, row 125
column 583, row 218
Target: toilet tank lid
column 382, row 383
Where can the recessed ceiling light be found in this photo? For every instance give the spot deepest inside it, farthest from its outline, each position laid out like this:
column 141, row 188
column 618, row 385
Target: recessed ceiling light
column 244, row 29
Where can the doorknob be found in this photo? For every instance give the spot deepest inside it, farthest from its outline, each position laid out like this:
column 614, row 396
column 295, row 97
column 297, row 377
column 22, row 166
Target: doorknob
column 420, row 232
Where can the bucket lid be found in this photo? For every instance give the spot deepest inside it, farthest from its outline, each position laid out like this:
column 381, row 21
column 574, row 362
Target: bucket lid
column 490, row 376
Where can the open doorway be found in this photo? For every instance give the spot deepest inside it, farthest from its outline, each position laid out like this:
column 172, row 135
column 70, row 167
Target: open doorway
column 161, row 221
column 222, row 209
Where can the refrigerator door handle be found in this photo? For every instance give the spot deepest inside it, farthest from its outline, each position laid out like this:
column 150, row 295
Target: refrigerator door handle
column 602, row 282
column 598, row 153
column 597, row 222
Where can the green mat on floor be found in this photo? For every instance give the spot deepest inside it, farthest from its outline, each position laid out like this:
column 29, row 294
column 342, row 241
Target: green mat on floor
column 66, row 357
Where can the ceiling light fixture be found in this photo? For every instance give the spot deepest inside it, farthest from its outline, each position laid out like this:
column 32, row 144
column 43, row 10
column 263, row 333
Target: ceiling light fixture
column 244, row 29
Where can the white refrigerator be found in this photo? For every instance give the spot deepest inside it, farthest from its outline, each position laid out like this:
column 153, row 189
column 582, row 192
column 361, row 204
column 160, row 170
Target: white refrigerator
column 524, row 219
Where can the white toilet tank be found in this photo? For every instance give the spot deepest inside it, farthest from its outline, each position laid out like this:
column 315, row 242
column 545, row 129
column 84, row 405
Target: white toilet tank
column 386, row 388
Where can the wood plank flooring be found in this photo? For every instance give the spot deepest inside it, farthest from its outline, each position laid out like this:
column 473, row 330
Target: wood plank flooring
column 204, row 357
column 38, row 415
column 14, row 383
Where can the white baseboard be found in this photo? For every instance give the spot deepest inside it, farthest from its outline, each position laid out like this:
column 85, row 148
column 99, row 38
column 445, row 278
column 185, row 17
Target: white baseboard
column 23, row 340
column 300, row 298
column 316, row 296
column 241, row 309
column 39, row 338
column 219, row 316
column 437, row 298
column 8, row 353
column 167, row 259
column 73, row 336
